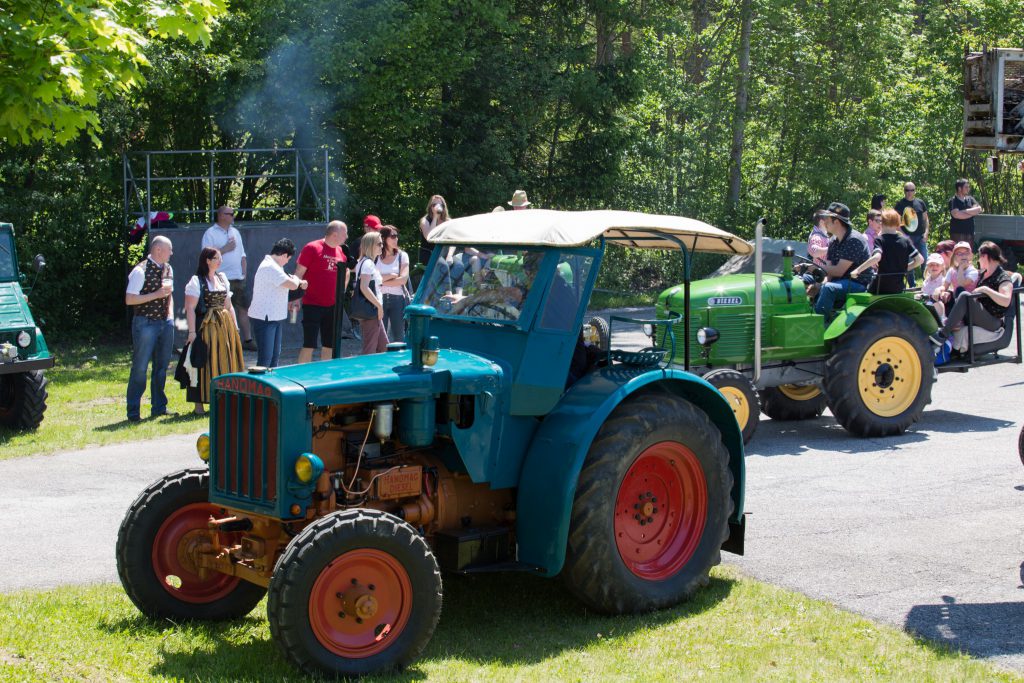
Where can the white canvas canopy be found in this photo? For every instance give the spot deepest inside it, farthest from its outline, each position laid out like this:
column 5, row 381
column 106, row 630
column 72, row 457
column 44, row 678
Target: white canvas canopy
column 543, row 227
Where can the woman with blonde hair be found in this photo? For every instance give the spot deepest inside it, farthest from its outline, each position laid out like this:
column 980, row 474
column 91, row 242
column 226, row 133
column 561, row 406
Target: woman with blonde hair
column 370, row 282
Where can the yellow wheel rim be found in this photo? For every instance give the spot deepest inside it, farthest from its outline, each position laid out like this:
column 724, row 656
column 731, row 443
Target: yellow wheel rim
column 738, row 402
column 889, row 376
column 799, row 392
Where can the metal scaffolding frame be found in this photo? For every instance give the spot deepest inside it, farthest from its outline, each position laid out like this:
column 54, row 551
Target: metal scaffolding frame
column 138, row 183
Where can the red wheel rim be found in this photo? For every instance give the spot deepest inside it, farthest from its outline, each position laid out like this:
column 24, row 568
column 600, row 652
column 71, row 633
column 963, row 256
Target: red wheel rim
column 174, row 550
column 360, row 603
column 660, row 511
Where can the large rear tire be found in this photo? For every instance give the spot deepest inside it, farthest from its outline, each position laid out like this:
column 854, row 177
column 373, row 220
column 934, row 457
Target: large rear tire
column 22, row 399
column 741, row 394
column 155, row 554
column 652, row 507
column 879, row 377
column 793, row 402
column 356, row 593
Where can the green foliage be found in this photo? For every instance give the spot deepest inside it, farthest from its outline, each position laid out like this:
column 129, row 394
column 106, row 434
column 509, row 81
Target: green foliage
column 57, row 62
column 604, row 104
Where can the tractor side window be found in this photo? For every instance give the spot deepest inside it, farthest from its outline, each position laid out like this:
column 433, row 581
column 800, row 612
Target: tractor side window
column 566, row 291
column 486, row 284
column 6, row 257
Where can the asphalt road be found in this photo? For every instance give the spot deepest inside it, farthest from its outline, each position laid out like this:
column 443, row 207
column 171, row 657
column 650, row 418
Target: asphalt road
column 921, row 531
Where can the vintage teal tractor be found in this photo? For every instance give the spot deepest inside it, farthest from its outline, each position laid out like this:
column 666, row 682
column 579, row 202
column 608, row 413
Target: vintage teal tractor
column 494, row 439
column 23, row 351
column 757, row 339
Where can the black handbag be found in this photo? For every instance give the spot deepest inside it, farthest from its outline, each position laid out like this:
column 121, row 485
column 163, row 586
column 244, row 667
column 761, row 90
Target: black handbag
column 361, row 308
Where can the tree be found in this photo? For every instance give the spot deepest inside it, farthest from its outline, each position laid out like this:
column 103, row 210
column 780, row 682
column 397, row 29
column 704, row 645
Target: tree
column 58, row 60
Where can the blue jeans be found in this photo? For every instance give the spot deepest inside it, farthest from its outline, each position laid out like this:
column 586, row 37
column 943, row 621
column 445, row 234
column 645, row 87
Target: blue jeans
column 833, row 293
column 921, row 244
column 267, row 334
column 152, row 340
column 445, row 279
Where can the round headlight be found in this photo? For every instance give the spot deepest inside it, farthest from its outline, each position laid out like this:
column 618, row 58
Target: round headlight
column 24, row 339
column 648, row 329
column 707, row 336
column 203, row 447
column 308, row 467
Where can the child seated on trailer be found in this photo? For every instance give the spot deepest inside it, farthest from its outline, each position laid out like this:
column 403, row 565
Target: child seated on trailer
column 962, row 276
column 932, row 289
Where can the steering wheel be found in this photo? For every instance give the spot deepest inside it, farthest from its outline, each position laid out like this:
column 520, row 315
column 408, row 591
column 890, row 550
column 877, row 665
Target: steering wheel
column 485, row 309
column 816, row 271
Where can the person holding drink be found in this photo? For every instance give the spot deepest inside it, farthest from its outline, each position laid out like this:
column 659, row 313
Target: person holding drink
column 269, row 305
column 149, row 289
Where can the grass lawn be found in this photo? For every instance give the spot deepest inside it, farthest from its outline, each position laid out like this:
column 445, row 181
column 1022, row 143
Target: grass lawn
column 86, row 406
column 498, row 627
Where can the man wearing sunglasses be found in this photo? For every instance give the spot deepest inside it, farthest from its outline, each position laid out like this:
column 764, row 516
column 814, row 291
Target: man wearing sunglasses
column 224, row 236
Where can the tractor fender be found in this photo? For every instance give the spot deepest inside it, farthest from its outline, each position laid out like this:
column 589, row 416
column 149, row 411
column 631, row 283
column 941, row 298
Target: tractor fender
column 553, row 462
column 903, row 305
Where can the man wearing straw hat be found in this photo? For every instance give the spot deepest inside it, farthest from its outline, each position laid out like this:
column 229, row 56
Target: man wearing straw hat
column 519, row 200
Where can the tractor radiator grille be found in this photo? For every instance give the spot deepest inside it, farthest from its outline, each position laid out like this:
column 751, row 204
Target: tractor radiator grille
column 244, row 463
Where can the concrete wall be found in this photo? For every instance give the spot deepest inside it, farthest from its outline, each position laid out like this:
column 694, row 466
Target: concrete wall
column 257, row 238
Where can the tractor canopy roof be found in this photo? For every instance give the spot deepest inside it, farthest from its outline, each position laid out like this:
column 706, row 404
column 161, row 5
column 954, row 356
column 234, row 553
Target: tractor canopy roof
column 543, row 227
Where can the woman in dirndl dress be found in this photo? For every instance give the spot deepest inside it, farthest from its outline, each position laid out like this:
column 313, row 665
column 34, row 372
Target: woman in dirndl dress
column 211, row 318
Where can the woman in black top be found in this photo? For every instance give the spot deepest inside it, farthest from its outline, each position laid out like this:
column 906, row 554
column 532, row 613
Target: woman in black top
column 996, row 292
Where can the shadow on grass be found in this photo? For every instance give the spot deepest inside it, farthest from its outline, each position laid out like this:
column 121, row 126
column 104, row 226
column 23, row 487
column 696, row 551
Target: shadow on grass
column 488, row 619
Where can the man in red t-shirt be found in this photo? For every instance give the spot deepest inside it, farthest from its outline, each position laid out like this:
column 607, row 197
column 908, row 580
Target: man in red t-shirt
column 319, row 263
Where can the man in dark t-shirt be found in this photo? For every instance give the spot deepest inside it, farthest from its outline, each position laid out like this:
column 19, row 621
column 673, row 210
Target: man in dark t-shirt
column 962, row 210
column 846, row 250
column 914, row 212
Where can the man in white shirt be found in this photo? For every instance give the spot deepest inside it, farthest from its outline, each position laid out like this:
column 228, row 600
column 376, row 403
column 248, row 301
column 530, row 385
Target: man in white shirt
column 149, row 290
column 223, row 235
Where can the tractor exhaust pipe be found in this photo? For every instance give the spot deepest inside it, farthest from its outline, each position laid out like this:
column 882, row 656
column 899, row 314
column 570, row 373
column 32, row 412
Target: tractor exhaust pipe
column 758, row 276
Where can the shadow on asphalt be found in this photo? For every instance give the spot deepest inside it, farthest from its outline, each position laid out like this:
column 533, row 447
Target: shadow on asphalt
column 981, row 629
column 778, row 437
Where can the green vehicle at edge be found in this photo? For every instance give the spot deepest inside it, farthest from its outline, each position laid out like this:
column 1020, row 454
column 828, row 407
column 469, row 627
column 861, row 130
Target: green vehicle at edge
column 872, row 366
column 498, row 437
column 23, row 351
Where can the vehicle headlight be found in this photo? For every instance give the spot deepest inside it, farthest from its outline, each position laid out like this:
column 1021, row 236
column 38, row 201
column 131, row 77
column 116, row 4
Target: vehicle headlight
column 24, row 339
column 706, row 336
column 203, row 447
column 308, row 467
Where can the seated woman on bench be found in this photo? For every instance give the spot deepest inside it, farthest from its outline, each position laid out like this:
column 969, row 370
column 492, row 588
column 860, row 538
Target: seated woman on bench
column 989, row 301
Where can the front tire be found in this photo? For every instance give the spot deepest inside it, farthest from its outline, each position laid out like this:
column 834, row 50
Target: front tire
column 355, row 593
column 22, row 399
column 155, row 547
column 879, row 377
column 741, row 394
column 652, row 507
column 793, row 402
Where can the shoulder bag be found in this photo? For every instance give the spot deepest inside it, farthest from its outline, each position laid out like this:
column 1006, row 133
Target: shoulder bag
column 361, row 308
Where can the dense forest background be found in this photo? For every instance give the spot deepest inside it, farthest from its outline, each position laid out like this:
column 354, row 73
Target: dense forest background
column 722, row 110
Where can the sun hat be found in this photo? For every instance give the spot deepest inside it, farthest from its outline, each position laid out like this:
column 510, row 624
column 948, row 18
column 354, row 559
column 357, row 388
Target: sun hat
column 963, row 245
column 935, row 258
column 372, row 222
column 498, row 209
column 519, row 199
column 840, row 212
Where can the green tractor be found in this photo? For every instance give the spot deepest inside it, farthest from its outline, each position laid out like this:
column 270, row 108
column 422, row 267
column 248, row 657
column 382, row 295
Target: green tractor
column 23, row 352
column 757, row 339
column 497, row 438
